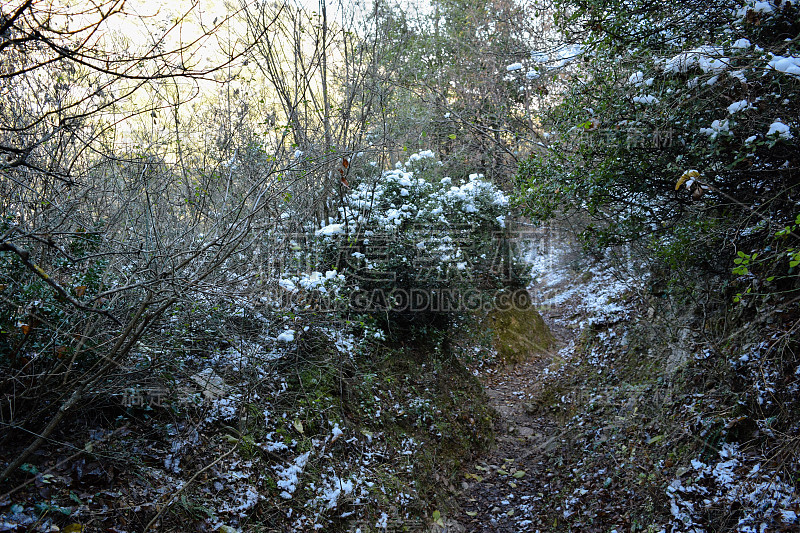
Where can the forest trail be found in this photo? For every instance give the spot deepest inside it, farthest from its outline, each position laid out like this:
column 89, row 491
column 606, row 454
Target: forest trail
column 503, row 491
column 511, row 489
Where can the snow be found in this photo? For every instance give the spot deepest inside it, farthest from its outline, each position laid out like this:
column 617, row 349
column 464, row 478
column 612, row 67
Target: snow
column 336, row 432
column 288, row 476
column 330, row 494
column 763, row 7
column 760, row 497
column 242, row 502
column 717, row 127
column 598, row 298
column 738, row 106
column 540, row 57
column 286, row 336
column 331, row 229
column 636, row 78
column 786, row 64
column 741, row 43
column 645, row 99
column 514, row 66
column 781, row 129
column 425, row 154
column 738, row 74
column 707, row 58
column 288, row 285
column 383, row 522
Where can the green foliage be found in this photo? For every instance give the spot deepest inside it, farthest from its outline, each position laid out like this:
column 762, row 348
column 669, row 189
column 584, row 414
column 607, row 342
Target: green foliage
column 37, row 321
column 675, row 130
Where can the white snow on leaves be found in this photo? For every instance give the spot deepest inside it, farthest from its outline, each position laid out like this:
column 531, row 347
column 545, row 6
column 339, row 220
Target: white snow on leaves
column 763, row 498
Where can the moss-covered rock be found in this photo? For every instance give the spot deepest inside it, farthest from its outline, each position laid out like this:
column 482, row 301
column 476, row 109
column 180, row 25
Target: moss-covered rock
column 519, row 330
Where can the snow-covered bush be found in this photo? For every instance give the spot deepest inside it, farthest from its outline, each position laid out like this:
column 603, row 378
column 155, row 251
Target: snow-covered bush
column 732, row 491
column 412, row 241
column 680, row 129
column 679, row 133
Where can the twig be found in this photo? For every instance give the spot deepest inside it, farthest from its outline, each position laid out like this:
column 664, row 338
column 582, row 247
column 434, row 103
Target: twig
column 183, row 487
column 79, row 451
column 62, row 411
column 25, row 257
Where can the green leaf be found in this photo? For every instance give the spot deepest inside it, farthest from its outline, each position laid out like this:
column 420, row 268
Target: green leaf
column 29, row 468
column 452, row 136
column 519, row 473
column 472, row 513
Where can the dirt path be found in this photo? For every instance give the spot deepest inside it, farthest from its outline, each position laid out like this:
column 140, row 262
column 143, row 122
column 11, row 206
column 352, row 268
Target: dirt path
column 504, row 491
column 520, row 485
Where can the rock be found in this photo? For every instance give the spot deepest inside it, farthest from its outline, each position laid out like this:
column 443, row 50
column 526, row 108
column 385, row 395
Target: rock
column 212, row 385
column 519, row 330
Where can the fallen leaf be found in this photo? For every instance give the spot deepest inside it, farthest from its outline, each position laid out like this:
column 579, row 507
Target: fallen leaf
column 519, row 473
column 688, row 175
